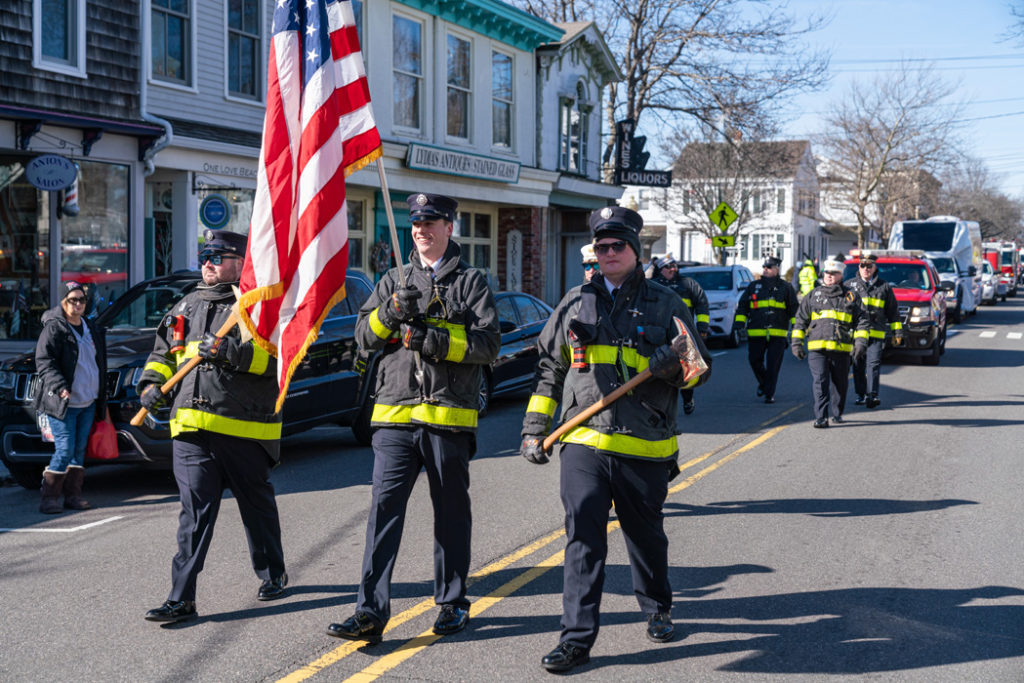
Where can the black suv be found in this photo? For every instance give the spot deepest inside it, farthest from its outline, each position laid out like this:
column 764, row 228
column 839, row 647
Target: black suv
column 327, row 387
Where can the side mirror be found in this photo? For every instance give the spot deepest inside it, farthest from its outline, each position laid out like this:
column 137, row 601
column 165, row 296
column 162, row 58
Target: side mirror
column 506, row 326
column 972, row 271
column 947, row 286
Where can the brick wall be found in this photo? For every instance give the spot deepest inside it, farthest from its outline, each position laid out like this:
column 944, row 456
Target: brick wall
column 529, row 221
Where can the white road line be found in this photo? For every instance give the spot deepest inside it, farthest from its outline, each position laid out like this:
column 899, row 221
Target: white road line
column 1014, row 335
column 987, row 335
column 62, row 531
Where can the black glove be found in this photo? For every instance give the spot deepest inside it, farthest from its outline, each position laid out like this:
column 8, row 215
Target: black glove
column 532, row 449
column 664, row 364
column 413, row 335
column 897, row 338
column 798, row 350
column 225, row 350
column 860, row 349
column 402, row 306
column 702, row 330
column 151, row 398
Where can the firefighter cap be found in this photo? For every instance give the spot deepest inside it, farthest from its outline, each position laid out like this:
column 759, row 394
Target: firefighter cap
column 223, row 242
column 771, row 262
column 425, row 207
column 832, row 266
column 587, row 252
column 617, row 222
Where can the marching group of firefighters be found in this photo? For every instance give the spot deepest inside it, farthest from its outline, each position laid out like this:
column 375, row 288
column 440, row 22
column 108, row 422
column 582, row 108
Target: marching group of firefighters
column 435, row 325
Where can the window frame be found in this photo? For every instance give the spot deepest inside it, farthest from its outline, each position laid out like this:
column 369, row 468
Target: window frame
column 190, row 84
column 467, row 242
column 74, row 66
column 366, row 234
column 583, row 109
column 259, row 78
column 421, row 109
column 511, row 102
column 467, row 90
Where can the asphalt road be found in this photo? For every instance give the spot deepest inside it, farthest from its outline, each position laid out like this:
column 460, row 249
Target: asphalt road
column 888, row 548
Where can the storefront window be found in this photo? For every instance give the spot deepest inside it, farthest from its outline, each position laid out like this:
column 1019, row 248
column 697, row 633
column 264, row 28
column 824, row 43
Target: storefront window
column 356, row 234
column 240, row 204
column 473, row 233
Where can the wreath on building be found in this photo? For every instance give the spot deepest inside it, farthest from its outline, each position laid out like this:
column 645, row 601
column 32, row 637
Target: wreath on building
column 380, row 257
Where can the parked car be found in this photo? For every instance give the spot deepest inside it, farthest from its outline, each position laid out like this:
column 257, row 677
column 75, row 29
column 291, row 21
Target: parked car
column 993, row 285
column 723, row 285
column 921, row 295
column 327, row 387
column 521, row 318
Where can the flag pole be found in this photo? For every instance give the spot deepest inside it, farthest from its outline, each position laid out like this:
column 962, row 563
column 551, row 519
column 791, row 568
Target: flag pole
column 396, row 250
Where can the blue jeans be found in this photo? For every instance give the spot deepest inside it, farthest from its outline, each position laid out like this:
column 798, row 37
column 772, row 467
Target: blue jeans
column 70, row 437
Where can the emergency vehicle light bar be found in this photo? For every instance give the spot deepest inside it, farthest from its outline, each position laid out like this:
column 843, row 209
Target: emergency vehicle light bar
column 906, row 253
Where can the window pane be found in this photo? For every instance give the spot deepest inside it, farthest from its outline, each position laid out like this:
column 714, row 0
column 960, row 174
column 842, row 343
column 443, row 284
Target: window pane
column 56, row 29
column 407, row 45
column 180, row 6
column 355, row 252
column 235, row 14
column 501, row 75
column 458, row 110
column 159, row 44
column 247, row 68
column 528, row 311
column 501, row 123
column 482, row 226
column 407, row 101
column 233, row 62
column 482, row 256
column 458, row 62
column 357, row 11
column 176, row 48
column 252, row 17
column 506, row 310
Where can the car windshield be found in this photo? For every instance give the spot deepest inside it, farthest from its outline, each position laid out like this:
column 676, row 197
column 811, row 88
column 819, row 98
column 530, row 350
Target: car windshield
column 146, row 306
column 944, row 265
column 905, row 275
column 712, row 280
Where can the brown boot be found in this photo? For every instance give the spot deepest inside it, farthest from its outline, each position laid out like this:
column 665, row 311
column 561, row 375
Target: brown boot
column 73, row 489
column 53, row 482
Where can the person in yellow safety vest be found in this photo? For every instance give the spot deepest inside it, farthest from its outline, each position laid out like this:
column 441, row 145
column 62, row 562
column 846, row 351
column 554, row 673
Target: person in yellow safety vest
column 833, row 322
column 767, row 307
column 883, row 314
column 807, row 278
column 225, row 428
column 435, row 335
column 600, row 335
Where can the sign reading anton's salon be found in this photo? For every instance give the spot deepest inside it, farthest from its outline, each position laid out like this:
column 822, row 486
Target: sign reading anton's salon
column 440, row 160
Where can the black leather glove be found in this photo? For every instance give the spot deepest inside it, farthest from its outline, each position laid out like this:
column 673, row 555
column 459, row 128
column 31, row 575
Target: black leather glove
column 402, row 306
column 703, row 330
column 798, row 350
column 225, row 350
column 413, row 335
column 532, row 449
column 897, row 338
column 151, row 398
column 860, row 349
column 664, row 364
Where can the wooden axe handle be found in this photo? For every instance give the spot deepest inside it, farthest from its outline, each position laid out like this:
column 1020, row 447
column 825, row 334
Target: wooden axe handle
column 184, row 370
column 596, row 408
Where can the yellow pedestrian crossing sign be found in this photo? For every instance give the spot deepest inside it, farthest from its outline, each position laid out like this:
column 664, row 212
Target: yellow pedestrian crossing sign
column 723, row 216
column 723, row 241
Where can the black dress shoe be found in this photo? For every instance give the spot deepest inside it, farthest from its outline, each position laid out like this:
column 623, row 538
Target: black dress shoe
column 565, row 657
column 769, row 399
column 272, row 589
column 860, row 400
column 359, row 626
column 688, row 407
column 660, row 628
column 838, row 419
column 872, row 401
column 821, row 423
column 171, row 611
column 452, row 619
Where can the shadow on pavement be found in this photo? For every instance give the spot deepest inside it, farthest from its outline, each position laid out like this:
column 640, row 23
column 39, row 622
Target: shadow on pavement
column 815, row 507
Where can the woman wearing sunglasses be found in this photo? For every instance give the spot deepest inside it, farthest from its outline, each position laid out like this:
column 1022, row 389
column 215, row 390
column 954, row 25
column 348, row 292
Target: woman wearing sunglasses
column 71, row 361
column 590, row 266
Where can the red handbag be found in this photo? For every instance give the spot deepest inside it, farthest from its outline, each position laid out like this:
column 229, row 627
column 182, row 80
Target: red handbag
column 102, row 440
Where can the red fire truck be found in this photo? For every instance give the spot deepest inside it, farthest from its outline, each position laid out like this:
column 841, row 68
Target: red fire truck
column 1005, row 259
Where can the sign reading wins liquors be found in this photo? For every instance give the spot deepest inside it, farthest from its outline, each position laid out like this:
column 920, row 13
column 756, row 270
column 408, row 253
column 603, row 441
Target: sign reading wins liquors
column 631, row 159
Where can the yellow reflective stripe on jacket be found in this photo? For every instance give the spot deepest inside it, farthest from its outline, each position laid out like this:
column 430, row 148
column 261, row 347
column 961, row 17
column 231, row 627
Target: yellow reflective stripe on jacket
column 823, row 345
column 689, row 304
column 873, row 334
column 623, row 443
column 762, row 332
column 703, row 318
column 189, row 420
column 798, row 334
column 423, row 413
column 379, row 328
column 864, row 334
column 191, row 351
column 260, row 360
column 456, row 339
column 541, row 404
column 741, row 318
column 767, row 303
column 164, row 371
column 896, row 325
column 832, row 314
column 599, row 353
column 872, row 301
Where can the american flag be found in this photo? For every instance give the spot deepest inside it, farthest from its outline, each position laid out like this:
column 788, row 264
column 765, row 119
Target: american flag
column 318, row 129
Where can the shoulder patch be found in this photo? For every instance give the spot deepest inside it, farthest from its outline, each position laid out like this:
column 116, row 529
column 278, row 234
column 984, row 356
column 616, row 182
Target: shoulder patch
column 850, row 297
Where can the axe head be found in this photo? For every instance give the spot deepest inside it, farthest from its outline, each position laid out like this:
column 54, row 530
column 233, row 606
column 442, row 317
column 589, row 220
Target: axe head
column 689, row 355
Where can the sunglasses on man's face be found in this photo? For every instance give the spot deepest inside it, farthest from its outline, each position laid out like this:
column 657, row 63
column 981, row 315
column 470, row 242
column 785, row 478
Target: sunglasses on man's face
column 617, row 247
column 868, row 266
column 76, row 300
column 215, row 259
column 590, row 266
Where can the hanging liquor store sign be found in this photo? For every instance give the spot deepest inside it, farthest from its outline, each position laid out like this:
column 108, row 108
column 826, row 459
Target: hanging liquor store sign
column 631, row 159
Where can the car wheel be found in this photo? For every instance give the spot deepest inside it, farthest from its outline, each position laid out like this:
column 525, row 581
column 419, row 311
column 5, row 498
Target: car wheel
column 483, row 399
column 733, row 340
column 933, row 357
column 943, row 344
column 361, row 428
column 958, row 311
column 28, row 475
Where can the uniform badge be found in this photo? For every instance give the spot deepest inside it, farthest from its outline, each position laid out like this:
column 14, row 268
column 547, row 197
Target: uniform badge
column 208, row 235
column 606, row 212
column 421, row 199
column 850, row 297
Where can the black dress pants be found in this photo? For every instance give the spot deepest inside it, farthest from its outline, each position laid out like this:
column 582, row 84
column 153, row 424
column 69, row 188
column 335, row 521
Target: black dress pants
column 204, row 465
column 398, row 456
column 590, row 483
column 830, row 378
column 868, row 370
column 765, row 356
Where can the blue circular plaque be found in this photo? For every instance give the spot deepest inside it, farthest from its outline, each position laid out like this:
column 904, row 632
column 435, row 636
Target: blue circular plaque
column 215, row 212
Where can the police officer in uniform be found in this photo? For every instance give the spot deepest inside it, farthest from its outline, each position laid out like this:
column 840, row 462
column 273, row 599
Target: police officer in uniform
column 435, row 334
column 767, row 307
column 225, row 428
column 615, row 326
column 834, row 324
column 880, row 305
column 692, row 294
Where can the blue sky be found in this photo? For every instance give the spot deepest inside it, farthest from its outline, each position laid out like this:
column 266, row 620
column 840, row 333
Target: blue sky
column 965, row 39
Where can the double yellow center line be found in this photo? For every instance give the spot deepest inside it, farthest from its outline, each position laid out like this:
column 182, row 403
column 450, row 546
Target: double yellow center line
column 411, row 647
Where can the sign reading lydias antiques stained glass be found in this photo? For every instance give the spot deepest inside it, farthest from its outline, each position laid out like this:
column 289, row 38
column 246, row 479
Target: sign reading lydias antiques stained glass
column 441, row 160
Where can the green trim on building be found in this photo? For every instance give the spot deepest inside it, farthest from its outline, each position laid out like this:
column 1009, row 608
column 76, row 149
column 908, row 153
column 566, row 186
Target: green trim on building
column 494, row 19
column 576, row 201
